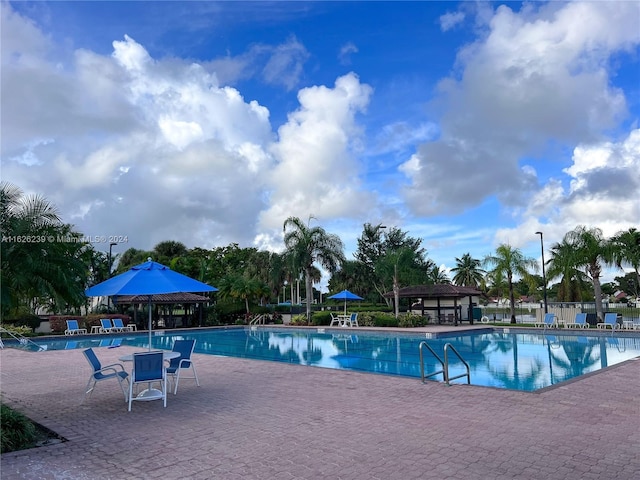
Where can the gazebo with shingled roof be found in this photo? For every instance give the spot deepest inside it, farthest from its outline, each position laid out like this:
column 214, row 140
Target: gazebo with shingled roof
column 441, row 299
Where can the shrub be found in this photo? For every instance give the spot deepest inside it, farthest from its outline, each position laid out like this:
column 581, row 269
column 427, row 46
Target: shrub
column 298, row 320
column 384, row 320
column 320, row 318
column 410, row 320
column 366, row 319
column 25, row 320
column 17, row 432
column 19, row 331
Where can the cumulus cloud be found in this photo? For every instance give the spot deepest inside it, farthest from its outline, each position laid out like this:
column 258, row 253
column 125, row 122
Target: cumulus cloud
column 158, row 149
column 536, row 76
column 316, row 171
column 602, row 191
column 139, row 147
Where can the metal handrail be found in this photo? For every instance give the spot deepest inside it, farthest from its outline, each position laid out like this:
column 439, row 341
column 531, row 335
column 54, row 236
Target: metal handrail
column 446, row 363
column 422, row 375
column 22, row 340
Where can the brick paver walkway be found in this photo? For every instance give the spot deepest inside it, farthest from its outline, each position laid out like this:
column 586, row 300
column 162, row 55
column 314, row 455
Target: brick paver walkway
column 262, row 420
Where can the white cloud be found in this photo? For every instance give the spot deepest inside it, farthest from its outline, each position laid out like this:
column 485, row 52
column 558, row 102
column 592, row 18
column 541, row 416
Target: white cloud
column 603, row 192
column 164, row 148
column 450, row 19
column 316, row 172
column 537, row 76
column 281, row 65
column 344, row 56
column 157, row 149
column 285, row 66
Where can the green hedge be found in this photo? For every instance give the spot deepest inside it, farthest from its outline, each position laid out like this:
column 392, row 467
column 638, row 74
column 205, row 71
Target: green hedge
column 373, row 319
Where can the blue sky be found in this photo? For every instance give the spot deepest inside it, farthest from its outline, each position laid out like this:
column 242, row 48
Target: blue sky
column 466, row 124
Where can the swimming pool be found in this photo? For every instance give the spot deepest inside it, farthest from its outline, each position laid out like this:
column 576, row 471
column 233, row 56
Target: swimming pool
column 526, row 360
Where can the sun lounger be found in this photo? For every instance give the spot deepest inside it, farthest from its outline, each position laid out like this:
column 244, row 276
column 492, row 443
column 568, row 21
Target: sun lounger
column 579, row 322
column 549, row 321
column 74, row 329
column 119, row 326
column 610, row 320
column 106, row 326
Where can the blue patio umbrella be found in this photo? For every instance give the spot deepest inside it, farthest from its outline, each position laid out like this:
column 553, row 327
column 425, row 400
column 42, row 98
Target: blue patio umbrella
column 149, row 278
column 345, row 295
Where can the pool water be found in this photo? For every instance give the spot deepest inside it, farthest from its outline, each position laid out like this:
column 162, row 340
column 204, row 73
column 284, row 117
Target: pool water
column 516, row 361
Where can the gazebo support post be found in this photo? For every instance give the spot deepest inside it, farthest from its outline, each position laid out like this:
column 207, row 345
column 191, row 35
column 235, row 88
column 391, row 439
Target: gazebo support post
column 455, row 312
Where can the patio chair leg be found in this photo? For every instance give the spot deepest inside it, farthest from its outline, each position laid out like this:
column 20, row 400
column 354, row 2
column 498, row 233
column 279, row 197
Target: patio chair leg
column 195, row 375
column 88, row 390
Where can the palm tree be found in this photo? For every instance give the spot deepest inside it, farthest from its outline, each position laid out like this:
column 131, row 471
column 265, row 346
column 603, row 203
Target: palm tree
column 562, row 264
column 468, row 271
column 395, row 265
column 49, row 268
column 308, row 245
column 239, row 287
column 590, row 251
column 509, row 262
column 437, row 276
column 626, row 245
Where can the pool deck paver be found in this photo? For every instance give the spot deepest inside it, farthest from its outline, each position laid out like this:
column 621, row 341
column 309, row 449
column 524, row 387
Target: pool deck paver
column 264, row 420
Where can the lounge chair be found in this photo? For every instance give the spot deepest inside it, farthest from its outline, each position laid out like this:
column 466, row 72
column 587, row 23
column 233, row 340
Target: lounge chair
column 610, row 320
column 106, row 326
column 579, row 322
column 148, row 368
column 548, row 321
column 119, row 326
column 115, row 370
column 74, row 329
column 183, row 362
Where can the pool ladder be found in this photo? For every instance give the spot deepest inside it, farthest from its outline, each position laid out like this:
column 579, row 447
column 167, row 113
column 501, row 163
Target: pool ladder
column 22, row 340
column 445, row 363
